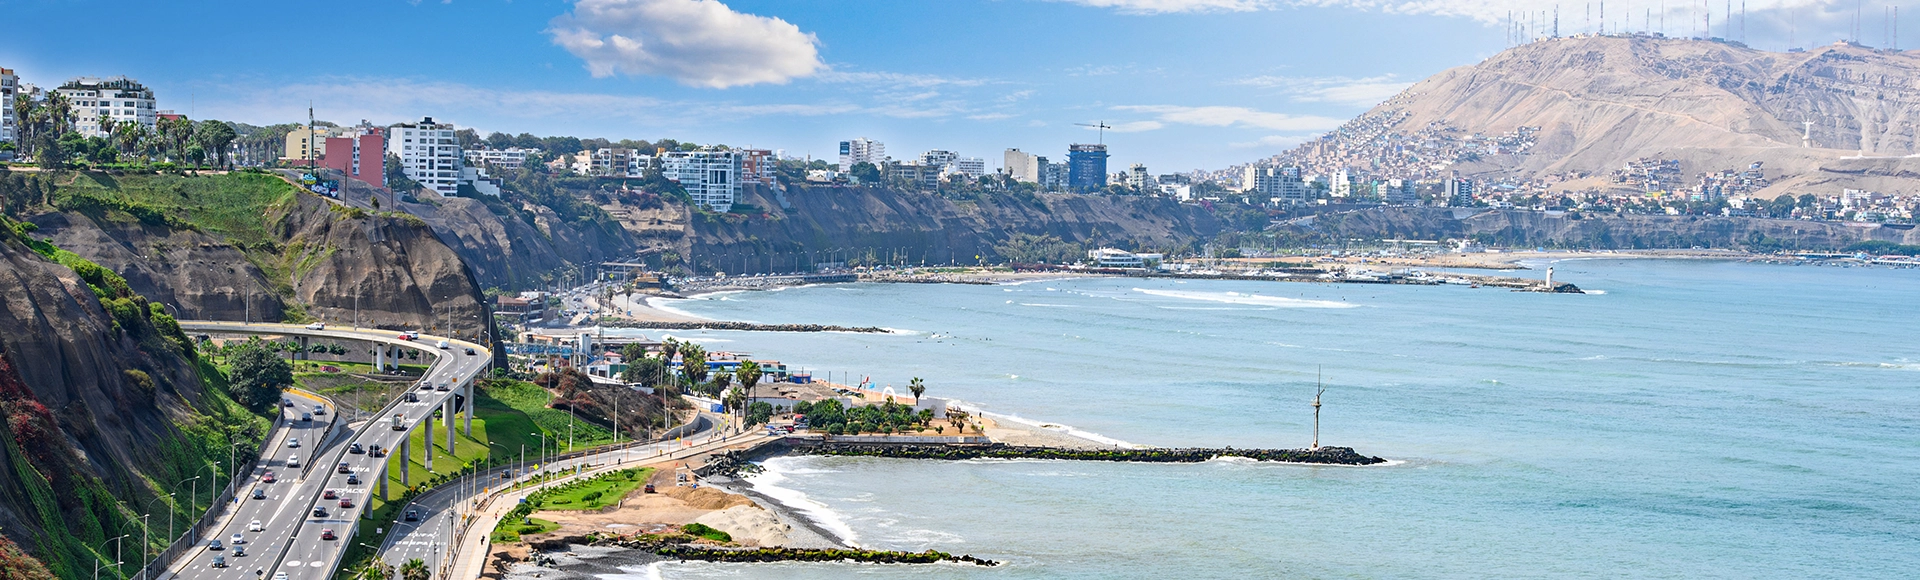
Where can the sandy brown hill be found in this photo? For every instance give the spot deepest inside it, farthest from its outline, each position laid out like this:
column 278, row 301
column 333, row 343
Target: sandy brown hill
column 1601, row 101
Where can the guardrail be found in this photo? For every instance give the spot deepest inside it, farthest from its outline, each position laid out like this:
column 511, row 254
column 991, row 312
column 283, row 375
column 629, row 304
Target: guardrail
column 189, row 538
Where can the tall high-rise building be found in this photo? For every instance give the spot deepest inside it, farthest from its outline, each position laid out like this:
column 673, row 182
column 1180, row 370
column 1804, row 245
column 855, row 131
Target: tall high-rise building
column 1087, row 167
column 1279, row 184
column 1137, row 177
column 1459, row 191
column 9, row 85
column 119, row 99
column 862, row 150
column 711, row 177
column 1344, row 182
column 429, row 154
column 1398, row 192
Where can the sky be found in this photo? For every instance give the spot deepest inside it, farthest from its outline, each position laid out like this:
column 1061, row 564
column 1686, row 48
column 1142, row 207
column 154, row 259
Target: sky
column 1184, row 84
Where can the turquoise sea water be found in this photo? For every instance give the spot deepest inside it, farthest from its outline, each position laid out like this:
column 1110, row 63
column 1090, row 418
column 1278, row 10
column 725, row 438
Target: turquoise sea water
column 1697, row 420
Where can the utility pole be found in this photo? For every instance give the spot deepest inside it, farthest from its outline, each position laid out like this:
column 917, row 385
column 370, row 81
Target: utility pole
column 1319, row 389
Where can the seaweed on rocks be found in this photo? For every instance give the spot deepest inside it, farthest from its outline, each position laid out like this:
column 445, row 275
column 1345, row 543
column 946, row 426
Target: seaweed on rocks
column 680, row 546
column 1322, row 455
column 732, row 325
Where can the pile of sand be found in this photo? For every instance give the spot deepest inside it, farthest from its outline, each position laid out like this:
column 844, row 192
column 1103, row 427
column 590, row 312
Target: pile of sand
column 749, row 525
column 706, row 498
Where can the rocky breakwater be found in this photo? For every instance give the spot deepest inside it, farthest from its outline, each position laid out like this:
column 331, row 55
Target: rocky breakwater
column 731, row 325
column 1320, row 455
column 681, row 547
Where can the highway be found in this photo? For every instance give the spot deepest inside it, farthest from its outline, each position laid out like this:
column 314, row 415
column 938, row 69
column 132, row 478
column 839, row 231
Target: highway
column 290, row 539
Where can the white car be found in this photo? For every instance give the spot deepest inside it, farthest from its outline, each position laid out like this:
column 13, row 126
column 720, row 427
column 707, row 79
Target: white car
column 293, row 442
column 293, row 461
column 317, row 326
column 237, row 539
column 442, row 344
column 254, row 526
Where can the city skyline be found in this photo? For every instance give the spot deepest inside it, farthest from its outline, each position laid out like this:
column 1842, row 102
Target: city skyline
column 1204, row 84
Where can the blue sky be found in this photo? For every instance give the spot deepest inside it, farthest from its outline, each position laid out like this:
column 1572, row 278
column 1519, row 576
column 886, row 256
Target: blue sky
column 1187, row 83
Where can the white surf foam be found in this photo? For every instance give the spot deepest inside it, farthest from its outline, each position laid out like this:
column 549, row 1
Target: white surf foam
column 767, row 482
column 1239, row 298
column 667, row 305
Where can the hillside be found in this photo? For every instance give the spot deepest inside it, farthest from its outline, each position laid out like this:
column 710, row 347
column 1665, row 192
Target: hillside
column 106, row 407
column 1589, row 105
column 248, row 245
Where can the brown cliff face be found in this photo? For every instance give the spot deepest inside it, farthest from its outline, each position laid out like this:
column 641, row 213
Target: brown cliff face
column 97, row 406
column 197, row 275
column 831, row 224
column 403, row 276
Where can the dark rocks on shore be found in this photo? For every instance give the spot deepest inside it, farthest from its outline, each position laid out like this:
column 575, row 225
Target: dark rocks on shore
column 1323, row 455
column 687, row 551
column 731, row 325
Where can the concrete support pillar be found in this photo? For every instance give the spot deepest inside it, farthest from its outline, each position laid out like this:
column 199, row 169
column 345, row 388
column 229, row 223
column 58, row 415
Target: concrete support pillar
column 304, row 345
column 468, row 393
column 427, row 440
column 406, row 458
column 448, row 413
column 379, row 357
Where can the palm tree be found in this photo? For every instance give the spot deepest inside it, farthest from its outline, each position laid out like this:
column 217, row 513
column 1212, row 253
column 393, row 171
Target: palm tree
column 749, row 375
column 917, row 386
column 378, row 569
column 415, row 569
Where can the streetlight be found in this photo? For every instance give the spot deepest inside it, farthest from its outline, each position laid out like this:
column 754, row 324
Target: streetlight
column 96, row 569
column 118, row 561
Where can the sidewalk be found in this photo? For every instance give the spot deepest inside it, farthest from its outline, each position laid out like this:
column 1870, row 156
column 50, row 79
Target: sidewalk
column 470, row 560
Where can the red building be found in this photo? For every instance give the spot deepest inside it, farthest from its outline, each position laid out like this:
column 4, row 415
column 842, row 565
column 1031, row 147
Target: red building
column 361, row 157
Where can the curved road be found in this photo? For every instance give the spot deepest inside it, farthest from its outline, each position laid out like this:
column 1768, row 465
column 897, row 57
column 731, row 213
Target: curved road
column 290, row 539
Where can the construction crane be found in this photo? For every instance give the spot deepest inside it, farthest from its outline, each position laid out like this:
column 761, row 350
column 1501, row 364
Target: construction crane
column 1102, row 126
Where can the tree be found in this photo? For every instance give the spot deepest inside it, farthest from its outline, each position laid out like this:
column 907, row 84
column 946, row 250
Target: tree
column 749, row 374
column 258, row 376
column 917, row 386
column 645, row 370
column 415, row 569
column 378, row 569
column 693, row 363
column 866, row 172
column 215, row 136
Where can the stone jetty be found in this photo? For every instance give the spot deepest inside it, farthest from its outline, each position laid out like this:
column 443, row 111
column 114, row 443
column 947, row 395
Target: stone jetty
column 1322, row 455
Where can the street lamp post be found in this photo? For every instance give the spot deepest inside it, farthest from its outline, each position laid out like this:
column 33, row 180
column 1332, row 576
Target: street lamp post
column 96, row 569
column 118, row 561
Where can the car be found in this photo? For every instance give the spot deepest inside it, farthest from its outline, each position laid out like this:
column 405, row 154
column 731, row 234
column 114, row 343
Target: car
column 471, row 353
column 239, row 551
column 444, row 387
column 219, row 562
column 326, row 534
column 319, row 410
column 343, row 469
column 215, row 545
column 412, row 398
column 356, row 449
column 319, row 511
column 279, row 576
column 237, row 539
column 317, row 326
column 306, row 416
column 286, row 402
column 346, row 503
column 442, row 344
column 649, row 488
column 293, row 461
column 293, row 442
column 413, row 515
column 267, row 478
column 406, row 336
column 353, row 479
column 329, row 494
column 255, row 526
column 259, row 493
column 377, row 451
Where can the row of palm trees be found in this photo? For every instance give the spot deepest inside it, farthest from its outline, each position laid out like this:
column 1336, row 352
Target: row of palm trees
column 47, row 133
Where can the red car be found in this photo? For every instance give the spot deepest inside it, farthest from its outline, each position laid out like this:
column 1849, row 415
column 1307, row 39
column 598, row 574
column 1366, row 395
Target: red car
column 329, row 494
column 326, row 534
column 268, row 478
column 346, row 503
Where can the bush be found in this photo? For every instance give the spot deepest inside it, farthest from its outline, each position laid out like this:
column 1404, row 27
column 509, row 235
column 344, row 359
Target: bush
column 701, row 530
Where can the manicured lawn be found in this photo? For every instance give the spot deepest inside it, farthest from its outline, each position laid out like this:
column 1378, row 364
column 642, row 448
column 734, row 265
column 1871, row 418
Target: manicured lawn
column 600, row 492
column 530, row 402
column 507, row 532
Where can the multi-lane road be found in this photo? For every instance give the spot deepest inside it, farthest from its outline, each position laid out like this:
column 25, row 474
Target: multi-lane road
column 300, row 534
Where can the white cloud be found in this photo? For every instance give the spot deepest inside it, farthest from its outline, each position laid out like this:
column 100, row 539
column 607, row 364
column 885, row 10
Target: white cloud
column 1364, row 92
column 1282, row 141
column 697, row 42
column 1234, row 117
column 1177, row 6
column 1132, row 126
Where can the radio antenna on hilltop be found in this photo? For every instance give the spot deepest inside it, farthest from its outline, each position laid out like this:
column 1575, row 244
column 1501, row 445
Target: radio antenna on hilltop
column 1320, row 388
column 1102, row 126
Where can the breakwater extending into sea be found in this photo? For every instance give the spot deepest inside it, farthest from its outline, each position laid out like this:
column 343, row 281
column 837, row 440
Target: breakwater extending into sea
column 1323, row 455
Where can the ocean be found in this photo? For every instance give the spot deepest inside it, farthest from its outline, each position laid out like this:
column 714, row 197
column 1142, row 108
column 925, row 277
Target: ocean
column 1693, row 419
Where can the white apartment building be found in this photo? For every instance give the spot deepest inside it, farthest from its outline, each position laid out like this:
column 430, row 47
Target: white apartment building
column 1398, row 192
column 862, row 150
column 9, row 85
column 1137, row 177
column 120, row 99
column 1022, row 166
column 969, row 166
column 429, row 154
column 711, row 178
column 1343, row 184
column 1281, row 185
column 508, row 159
